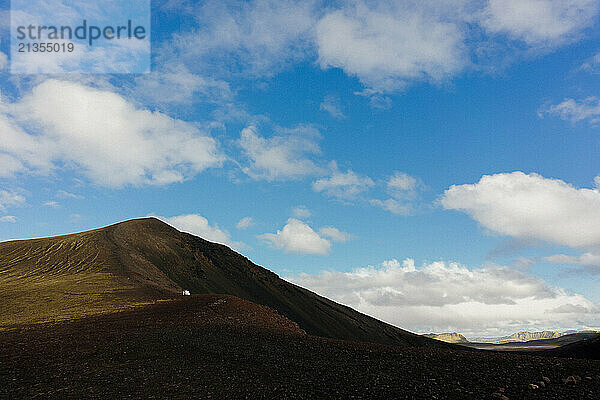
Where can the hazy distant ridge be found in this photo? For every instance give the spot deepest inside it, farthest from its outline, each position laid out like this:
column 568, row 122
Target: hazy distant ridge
column 524, row 337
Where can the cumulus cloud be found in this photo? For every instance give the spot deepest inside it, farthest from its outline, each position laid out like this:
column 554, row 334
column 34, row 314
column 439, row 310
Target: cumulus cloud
column 245, row 223
column 335, row 234
column 9, row 219
column 529, row 206
column 332, row 105
column 258, row 37
column 401, row 183
column 387, row 45
column 301, row 212
column 297, row 237
column 10, row 199
column 342, row 185
column 449, row 297
column 575, row 110
column 199, row 226
column 404, row 190
column 101, row 134
column 539, row 22
column 286, row 155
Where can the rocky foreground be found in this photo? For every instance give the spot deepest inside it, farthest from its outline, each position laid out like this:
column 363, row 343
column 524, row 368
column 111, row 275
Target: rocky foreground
column 214, row 346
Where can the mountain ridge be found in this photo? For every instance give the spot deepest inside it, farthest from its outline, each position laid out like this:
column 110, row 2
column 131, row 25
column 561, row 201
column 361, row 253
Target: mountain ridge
column 448, row 337
column 524, row 336
column 140, row 261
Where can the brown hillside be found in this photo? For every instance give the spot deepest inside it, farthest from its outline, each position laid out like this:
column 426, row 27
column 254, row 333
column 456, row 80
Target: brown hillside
column 139, row 261
column 222, row 347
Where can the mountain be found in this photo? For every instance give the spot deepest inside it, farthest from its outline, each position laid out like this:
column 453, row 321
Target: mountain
column 519, row 337
column 142, row 261
column 448, row 337
column 588, row 348
column 527, row 336
column 538, row 345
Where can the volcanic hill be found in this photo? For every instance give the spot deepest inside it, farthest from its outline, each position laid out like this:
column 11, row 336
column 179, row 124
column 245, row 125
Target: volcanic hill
column 141, row 261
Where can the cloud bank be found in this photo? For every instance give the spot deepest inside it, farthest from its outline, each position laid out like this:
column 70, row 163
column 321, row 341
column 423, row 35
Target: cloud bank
column 449, row 297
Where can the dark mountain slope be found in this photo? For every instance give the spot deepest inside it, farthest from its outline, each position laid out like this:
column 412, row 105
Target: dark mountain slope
column 138, row 261
column 588, row 349
column 222, row 347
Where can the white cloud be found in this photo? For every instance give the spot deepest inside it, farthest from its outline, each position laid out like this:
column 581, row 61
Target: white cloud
column 199, row 226
column 403, row 189
column 9, row 219
column 385, row 44
column 592, row 65
column 260, row 37
column 448, row 297
column 301, row 212
column 539, row 22
column 175, row 84
column 530, row 207
column 575, row 110
column 3, row 61
column 586, row 259
column 388, row 45
column 297, row 237
column 402, row 183
column 394, row 206
column 245, row 223
column 332, row 105
column 10, row 199
column 283, row 156
column 335, row 234
column 9, row 165
column 343, row 185
column 63, row 194
column 52, row 204
column 103, row 135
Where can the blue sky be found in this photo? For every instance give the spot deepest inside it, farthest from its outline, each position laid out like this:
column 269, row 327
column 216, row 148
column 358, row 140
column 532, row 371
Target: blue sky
column 430, row 163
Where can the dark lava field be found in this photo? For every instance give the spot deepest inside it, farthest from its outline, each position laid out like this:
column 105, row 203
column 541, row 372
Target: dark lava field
column 214, row 346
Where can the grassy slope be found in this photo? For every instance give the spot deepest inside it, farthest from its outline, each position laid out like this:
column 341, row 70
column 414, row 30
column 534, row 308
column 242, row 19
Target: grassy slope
column 71, row 276
column 138, row 261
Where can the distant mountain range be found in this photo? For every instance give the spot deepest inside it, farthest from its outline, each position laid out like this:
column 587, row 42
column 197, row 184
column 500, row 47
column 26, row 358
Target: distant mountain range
column 526, row 337
column 519, row 337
